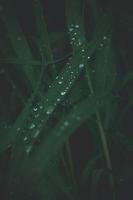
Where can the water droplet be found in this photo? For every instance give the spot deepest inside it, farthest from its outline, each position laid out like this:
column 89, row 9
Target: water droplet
column 35, row 109
column 18, row 129
column 41, row 107
column 25, row 138
column 104, row 37
column 28, row 149
column 66, row 123
column 101, row 45
column 81, row 65
column 32, row 126
column 63, row 93
column 60, row 82
column 88, row 57
column 49, row 110
column 36, row 133
column 70, row 29
column 58, row 99
column 77, row 26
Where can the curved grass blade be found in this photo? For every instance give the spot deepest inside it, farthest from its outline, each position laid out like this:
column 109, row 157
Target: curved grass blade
column 12, row 134
column 90, row 166
column 57, row 92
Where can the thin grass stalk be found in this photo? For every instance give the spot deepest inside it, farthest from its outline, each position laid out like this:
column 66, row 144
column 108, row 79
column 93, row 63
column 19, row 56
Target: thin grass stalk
column 103, row 139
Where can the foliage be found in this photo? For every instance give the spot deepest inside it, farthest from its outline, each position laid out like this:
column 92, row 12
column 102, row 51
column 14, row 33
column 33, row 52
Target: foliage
column 49, row 99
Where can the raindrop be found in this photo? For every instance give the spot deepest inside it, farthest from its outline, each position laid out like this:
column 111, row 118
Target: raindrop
column 88, row 57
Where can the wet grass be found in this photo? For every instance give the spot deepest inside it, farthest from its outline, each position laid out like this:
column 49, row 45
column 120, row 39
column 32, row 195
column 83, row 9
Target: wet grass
column 65, row 115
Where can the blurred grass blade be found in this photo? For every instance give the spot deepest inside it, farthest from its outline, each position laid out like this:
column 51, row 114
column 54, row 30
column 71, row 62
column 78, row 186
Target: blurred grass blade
column 90, row 166
column 44, row 42
column 95, row 178
column 18, row 42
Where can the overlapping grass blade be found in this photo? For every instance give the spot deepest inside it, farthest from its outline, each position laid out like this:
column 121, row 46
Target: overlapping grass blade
column 12, row 134
column 19, row 42
column 90, row 166
column 42, row 32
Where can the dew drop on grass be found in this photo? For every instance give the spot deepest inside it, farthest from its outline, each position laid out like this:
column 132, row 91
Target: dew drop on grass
column 32, row 126
column 28, row 149
column 36, row 133
column 58, row 99
column 41, row 107
column 77, row 26
column 49, row 110
column 63, row 93
column 81, row 65
column 60, row 82
column 35, row 109
column 70, row 29
column 104, row 37
column 25, row 138
column 18, row 129
column 66, row 123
